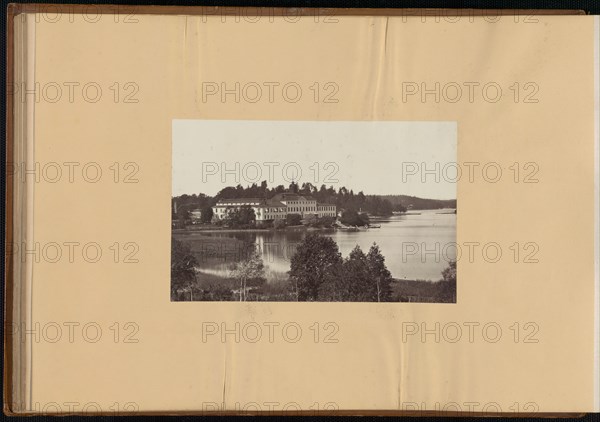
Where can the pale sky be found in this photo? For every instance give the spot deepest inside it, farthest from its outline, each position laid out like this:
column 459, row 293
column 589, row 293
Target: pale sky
column 380, row 158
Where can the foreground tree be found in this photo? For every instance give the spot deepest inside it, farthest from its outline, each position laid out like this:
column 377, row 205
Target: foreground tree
column 381, row 275
column 361, row 286
column 335, row 286
column 183, row 274
column 449, row 273
column 251, row 268
column 314, row 258
column 319, row 273
column 448, row 282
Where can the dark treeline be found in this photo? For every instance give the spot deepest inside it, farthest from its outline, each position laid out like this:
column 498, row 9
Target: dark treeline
column 416, row 203
column 343, row 198
column 318, row 272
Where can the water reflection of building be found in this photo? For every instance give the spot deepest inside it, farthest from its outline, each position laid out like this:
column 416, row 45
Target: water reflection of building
column 276, row 208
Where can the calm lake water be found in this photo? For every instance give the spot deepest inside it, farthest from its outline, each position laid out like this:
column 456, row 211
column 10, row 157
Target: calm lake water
column 416, row 246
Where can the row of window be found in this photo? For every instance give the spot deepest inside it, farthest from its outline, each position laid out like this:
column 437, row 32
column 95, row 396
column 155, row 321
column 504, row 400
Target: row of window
column 219, row 210
column 272, row 216
column 300, row 209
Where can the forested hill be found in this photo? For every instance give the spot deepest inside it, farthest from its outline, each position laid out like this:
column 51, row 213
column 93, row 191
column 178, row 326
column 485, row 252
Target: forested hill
column 419, row 203
column 342, row 198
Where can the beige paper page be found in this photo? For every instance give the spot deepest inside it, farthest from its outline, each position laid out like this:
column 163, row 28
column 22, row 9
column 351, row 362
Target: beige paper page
column 527, row 329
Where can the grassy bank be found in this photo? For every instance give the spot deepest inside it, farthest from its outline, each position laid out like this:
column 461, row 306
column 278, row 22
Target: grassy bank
column 211, row 287
column 422, row 291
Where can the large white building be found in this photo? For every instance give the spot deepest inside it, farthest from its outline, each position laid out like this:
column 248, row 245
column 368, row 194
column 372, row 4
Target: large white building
column 326, row 210
column 276, row 208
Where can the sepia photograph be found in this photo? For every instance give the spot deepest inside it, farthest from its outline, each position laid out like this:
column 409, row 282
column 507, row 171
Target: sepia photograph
column 340, row 211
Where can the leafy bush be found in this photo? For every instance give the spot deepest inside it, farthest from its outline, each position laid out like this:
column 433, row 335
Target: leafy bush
column 293, row 219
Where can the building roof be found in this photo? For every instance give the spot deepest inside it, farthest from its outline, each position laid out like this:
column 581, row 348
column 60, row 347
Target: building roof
column 292, row 197
column 238, row 200
column 274, row 203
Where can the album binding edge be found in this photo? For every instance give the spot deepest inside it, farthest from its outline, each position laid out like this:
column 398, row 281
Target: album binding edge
column 19, row 210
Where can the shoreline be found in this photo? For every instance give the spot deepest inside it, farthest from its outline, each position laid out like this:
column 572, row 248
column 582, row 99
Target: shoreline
column 216, row 230
column 376, row 218
column 217, row 277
